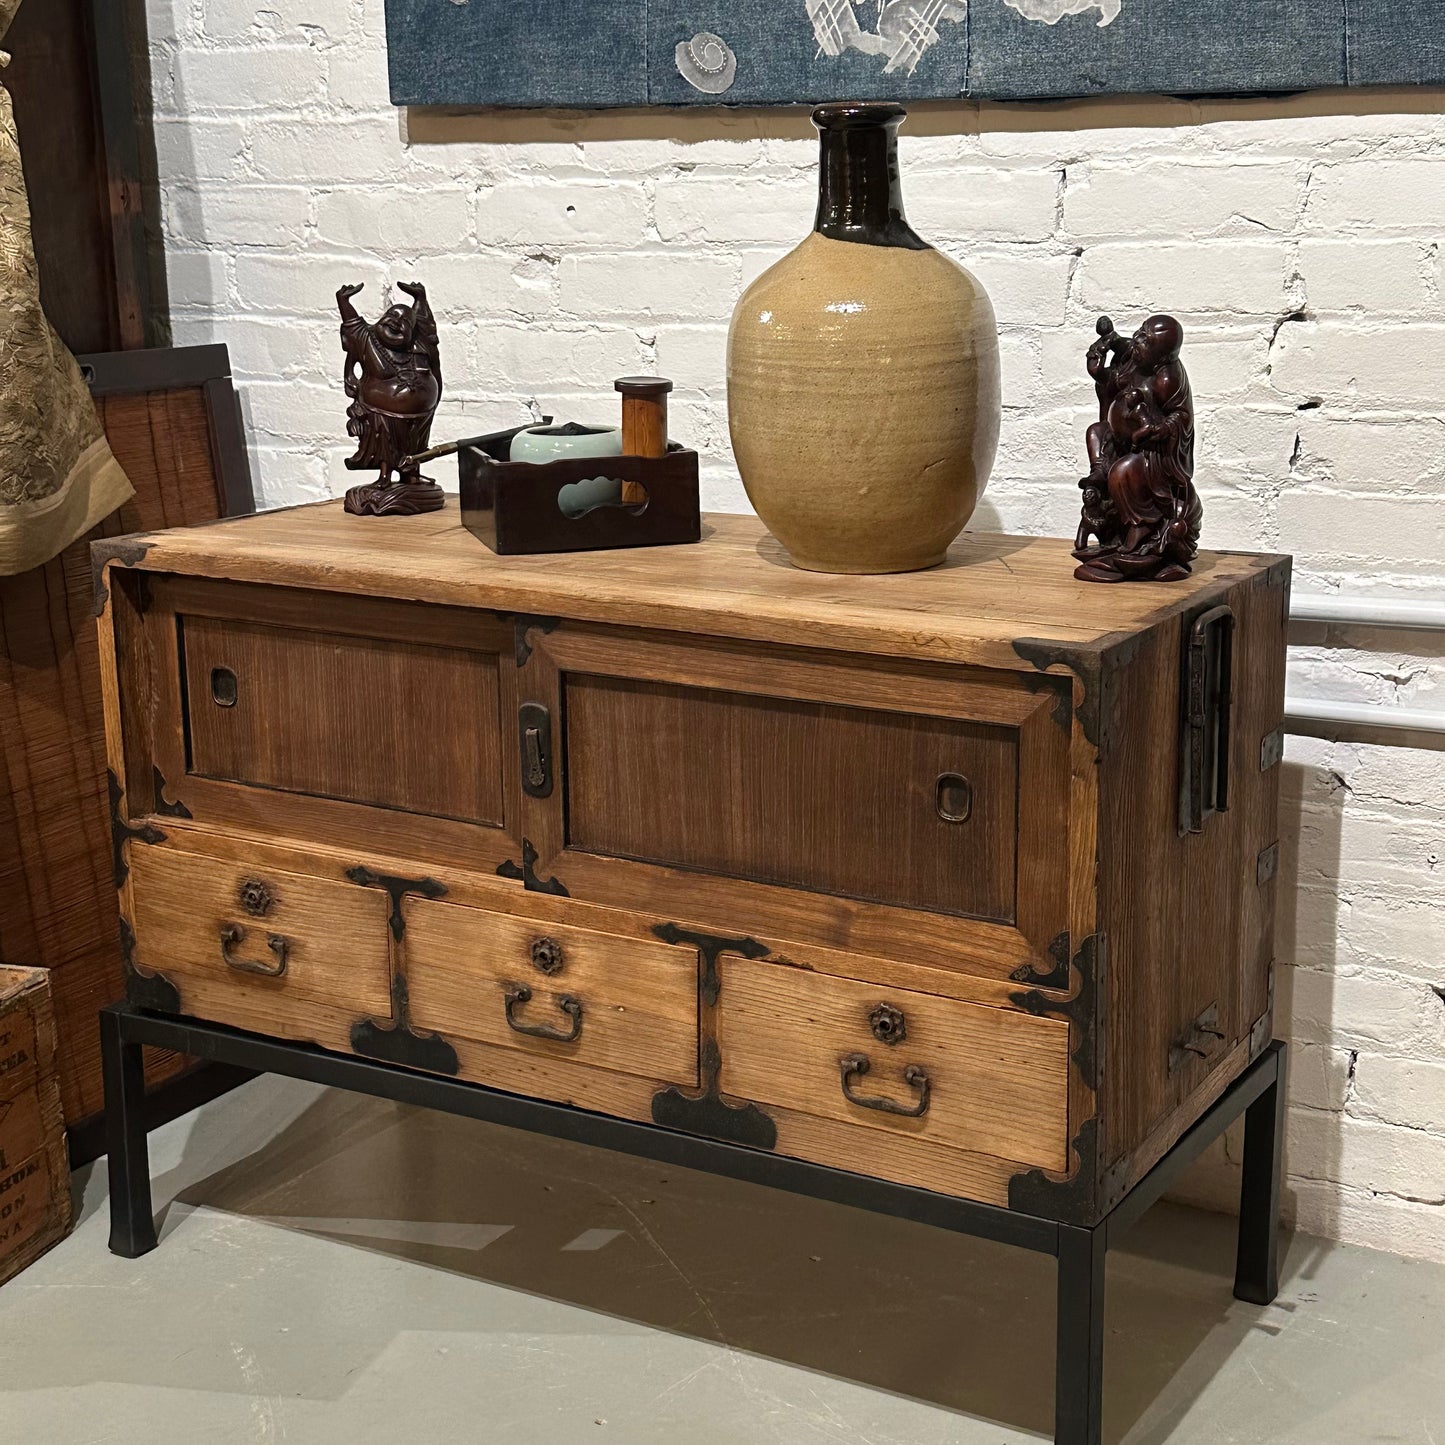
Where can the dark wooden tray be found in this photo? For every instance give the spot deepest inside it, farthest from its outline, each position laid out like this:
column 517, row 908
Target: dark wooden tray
column 520, row 507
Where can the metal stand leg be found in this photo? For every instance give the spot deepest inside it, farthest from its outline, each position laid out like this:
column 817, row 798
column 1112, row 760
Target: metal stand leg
column 1079, row 1372
column 1256, row 1275
column 132, row 1224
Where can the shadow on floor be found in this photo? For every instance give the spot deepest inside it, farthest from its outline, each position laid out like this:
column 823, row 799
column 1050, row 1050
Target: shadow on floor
column 959, row 1323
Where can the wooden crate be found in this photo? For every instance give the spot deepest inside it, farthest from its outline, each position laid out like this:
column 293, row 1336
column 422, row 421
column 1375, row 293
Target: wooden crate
column 34, row 1171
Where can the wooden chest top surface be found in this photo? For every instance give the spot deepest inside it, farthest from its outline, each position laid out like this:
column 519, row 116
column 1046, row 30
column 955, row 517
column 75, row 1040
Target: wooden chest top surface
column 994, row 590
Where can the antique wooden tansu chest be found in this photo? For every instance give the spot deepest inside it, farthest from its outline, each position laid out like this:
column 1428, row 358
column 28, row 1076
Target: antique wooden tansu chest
column 961, row 879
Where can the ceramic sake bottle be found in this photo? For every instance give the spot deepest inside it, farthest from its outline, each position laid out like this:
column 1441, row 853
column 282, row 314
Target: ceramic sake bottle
column 863, row 372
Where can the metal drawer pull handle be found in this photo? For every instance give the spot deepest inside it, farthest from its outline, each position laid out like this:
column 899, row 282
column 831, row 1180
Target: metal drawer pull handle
column 518, row 993
column 953, row 797
column 854, row 1066
column 233, row 933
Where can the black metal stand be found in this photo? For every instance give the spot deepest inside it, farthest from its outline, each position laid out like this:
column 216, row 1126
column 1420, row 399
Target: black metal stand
column 1258, row 1094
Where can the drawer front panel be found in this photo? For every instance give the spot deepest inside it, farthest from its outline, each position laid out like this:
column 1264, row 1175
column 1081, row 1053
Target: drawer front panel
column 963, row 1076
column 257, row 947
column 623, row 1004
column 366, row 720
column 896, row 808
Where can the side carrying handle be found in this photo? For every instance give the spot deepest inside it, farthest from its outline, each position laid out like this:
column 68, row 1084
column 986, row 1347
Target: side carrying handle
column 516, row 994
column 1208, row 703
column 854, row 1066
column 233, row 933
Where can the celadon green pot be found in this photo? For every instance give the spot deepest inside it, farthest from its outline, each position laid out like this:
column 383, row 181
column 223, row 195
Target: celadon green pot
column 863, row 372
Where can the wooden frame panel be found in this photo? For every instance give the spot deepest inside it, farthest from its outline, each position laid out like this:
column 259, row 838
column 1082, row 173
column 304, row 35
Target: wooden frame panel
column 159, row 388
column 59, row 905
column 308, row 711
column 1207, row 944
column 809, row 796
column 81, row 83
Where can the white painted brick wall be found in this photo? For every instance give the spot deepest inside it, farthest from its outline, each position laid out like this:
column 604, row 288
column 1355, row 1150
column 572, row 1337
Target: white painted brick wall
column 1302, row 250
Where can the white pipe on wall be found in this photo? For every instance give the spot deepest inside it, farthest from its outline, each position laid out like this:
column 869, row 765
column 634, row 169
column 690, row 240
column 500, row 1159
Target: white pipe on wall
column 1385, row 612
column 1313, row 717
column 1308, row 716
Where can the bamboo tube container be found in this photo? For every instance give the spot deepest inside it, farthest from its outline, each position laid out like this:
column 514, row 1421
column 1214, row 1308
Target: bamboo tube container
column 644, row 423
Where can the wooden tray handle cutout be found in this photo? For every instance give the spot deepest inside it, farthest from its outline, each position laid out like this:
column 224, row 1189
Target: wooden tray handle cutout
column 577, row 499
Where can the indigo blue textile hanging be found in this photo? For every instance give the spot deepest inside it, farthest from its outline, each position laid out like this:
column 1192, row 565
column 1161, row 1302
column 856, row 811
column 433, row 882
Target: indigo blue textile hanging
column 607, row 53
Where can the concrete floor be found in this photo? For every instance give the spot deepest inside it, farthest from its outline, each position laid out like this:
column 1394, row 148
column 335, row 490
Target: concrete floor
column 339, row 1271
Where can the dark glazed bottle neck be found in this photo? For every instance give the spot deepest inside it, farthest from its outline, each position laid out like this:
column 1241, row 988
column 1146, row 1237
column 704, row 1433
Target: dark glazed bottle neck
column 860, row 194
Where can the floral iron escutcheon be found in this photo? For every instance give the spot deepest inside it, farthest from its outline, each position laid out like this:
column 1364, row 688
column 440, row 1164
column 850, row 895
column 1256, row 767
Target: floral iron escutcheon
column 1140, row 506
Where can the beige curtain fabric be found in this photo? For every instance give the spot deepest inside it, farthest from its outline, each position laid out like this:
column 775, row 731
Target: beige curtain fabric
column 57, row 475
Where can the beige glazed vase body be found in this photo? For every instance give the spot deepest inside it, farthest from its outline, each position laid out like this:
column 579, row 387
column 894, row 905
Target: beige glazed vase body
column 863, row 373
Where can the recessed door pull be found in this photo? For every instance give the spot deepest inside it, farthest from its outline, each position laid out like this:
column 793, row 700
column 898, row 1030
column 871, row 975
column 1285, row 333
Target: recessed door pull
column 953, row 797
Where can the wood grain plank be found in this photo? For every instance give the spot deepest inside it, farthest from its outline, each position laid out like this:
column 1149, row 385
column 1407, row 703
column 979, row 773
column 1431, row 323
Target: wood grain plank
column 801, row 675
column 736, row 583
column 164, row 438
column 1188, row 928
column 899, row 1157
column 773, row 914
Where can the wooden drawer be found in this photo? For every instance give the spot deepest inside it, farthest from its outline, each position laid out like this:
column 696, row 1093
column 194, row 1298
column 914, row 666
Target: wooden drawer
column 993, row 1081
column 259, row 948
column 623, row 1004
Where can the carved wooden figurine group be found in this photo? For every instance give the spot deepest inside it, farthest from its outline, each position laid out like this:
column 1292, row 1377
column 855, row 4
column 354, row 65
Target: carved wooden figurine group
column 1141, row 513
column 1140, row 506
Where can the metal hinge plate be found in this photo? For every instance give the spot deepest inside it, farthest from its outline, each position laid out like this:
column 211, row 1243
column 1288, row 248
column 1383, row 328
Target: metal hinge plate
column 1271, row 750
column 1263, row 1029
